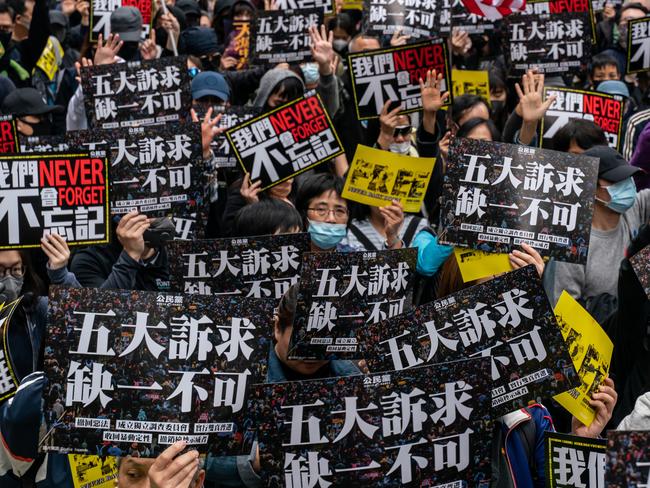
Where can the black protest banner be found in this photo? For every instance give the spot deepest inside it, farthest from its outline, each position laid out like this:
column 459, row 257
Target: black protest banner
column 282, row 36
column 232, row 117
column 394, row 75
column 342, row 292
column 8, row 380
column 628, row 459
column 53, row 193
column 324, row 5
column 152, row 368
column 420, row 19
column 136, row 93
column 605, row 110
column 101, row 10
column 498, row 196
column 468, row 22
column 157, row 170
column 574, row 462
column 43, row 144
column 286, row 141
column 251, row 267
column 641, row 265
column 553, row 37
column 507, row 318
column 422, row 427
column 638, row 45
column 8, row 135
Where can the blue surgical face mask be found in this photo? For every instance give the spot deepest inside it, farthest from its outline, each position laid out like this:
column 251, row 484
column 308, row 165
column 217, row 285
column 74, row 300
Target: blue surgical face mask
column 622, row 194
column 326, row 235
column 310, row 72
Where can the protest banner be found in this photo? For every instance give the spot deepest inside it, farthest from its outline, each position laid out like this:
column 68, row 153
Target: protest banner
column 475, row 264
column 239, row 43
column 100, row 16
column 419, row 19
column 352, row 5
column 136, row 93
column 93, row 471
column 282, row 36
column 51, row 59
column 286, row 141
column 43, row 144
column 470, row 82
column 428, row 426
column 378, row 177
column 152, row 368
column 53, row 193
column 394, row 75
column 8, row 135
column 156, row 170
column 624, row 470
column 8, row 381
column 232, row 116
column 591, row 352
column 324, row 5
column 638, row 45
column 498, row 196
column 574, row 462
column 507, row 318
column 552, row 37
column 605, row 110
column 341, row 293
column 641, row 265
column 251, row 267
column 466, row 21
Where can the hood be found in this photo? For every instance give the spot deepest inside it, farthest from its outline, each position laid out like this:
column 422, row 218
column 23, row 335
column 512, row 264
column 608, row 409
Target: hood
column 269, row 81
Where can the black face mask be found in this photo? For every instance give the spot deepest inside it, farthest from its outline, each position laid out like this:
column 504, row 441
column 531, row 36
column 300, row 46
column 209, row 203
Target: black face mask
column 5, row 39
column 42, row 128
column 498, row 107
column 129, row 51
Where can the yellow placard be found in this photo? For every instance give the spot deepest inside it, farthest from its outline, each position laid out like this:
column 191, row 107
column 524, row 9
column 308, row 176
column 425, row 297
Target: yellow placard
column 470, row 82
column 591, row 352
column 350, row 5
column 93, row 471
column 474, row 264
column 378, row 177
column 51, row 57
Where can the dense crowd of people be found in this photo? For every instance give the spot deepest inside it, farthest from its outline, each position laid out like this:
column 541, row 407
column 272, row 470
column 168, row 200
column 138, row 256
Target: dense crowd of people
column 52, row 103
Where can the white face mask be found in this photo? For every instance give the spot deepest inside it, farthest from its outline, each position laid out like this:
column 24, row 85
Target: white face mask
column 400, row 147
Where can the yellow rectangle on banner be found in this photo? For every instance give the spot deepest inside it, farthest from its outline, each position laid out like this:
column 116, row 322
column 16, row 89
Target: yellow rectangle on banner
column 93, row 471
column 377, row 177
column 591, row 352
column 470, row 82
column 474, row 264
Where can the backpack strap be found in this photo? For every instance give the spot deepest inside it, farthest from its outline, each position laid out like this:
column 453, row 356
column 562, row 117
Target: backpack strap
column 410, row 231
column 362, row 238
column 527, row 432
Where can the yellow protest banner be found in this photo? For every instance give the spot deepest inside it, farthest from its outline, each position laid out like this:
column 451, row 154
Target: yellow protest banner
column 378, row 177
column 93, row 471
column 51, row 58
column 474, row 264
column 591, row 352
column 470, row 82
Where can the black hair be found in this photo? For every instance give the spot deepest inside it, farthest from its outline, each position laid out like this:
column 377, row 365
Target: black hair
column 18, row 6
column 475, row 122
column 363, row 35
column 287, row 308
column 628, row 6
column 266, row 217
column 463, row 103
column 6, row 9
column 313, row 185
column 600, row 61
column 242, row 7
column 343, row 21
column 585, row 133
column 497, row 78
column 290, row 87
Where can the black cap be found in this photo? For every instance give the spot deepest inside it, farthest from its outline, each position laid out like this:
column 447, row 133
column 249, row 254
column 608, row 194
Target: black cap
column 189, row 7
column 613, row 167
column 58, row 18
column 198, row 41
column 27, row 101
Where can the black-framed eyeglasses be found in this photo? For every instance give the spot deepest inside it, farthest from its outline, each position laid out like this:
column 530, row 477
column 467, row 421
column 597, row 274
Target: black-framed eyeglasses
column 17, row 271
column 338, row 212
column 402, row 131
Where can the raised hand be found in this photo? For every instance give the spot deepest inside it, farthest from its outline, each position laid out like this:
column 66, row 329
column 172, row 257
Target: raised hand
column 57, row 251
column 432, row 99
column 209, row 129
column 321, row 48
column 533, row 107
column 106, row 52
column 398, row 39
